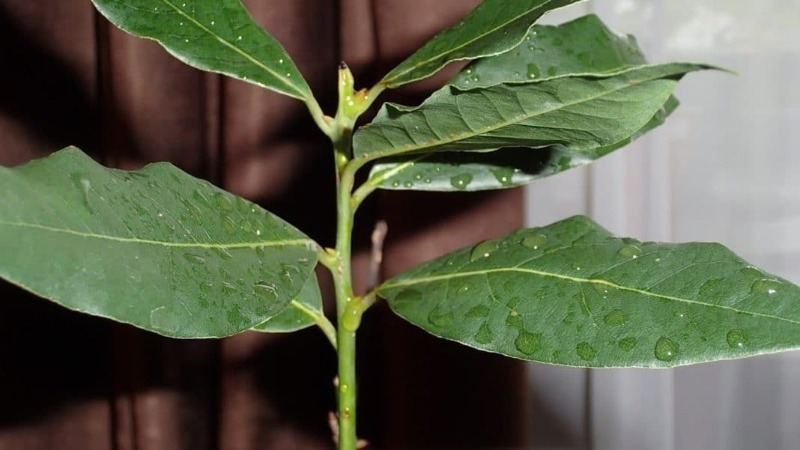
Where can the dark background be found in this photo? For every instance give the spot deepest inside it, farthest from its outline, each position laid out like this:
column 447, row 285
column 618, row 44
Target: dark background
column 69, row 381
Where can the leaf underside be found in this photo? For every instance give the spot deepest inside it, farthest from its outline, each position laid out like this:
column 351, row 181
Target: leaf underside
column 578, row 113
column 573, row 294
column 582, row 47
column 212, row 35
column 499, row 169
column 155, row 248
column 291, row 318
column 494, row 27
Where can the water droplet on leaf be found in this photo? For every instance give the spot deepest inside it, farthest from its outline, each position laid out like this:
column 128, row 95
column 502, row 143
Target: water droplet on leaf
column 528, row 343
column 737, row 339
column 482, row 250
column 223, row 202
column 192, row 258
column 766, row 286
column 616, row 317
column 666, row 350
column 630, row 251
column 440, row 318
column 461, row 182
column 534, row 241
column 408, row 296
column 480, row 311
column 585, row 351
column 627, row 344
column 484, row 334
column 533, row 71
column 264, row 289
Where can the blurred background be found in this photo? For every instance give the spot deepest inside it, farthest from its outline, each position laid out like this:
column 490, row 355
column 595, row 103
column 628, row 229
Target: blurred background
column 723, row 168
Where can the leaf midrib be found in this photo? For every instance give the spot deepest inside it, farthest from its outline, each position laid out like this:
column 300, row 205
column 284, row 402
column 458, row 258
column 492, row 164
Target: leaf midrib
column 473, row 133
column 447, row 277
column 388, row 82
column 274, row 243
column 302, row 95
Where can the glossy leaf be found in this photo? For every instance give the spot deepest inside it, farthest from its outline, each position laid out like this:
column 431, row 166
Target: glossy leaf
column 212, row 35
column 571, row 293
column 499, row 169
column 291, row 318
column 155, row 248
column 494, row 27
column 577, row 113
column 584, row 46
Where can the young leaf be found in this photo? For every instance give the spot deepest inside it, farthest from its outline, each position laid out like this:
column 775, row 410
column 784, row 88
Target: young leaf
column 494, row 27
column 572, row 294
column 499, row 169
column 291, row 318
column 155, row 248
column 212, row 35
column 579, row 113
column 584, row 46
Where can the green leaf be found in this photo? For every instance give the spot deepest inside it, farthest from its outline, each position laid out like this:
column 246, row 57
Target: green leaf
column 155, row 248
column 291, row 318
column 212, row 35
column 494, row 27
column 499, row 169
column 584, row 46
column 571, row 293
column 578, row 113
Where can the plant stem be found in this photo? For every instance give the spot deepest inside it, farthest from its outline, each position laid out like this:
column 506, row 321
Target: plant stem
column 348, row 316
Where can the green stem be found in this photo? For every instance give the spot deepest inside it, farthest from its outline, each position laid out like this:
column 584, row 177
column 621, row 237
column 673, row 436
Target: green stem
column 347, row 321
column 349, row 307
column 319, row 318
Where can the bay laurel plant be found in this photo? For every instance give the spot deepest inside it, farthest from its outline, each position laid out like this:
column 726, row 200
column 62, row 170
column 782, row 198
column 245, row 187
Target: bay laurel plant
column 175, row 255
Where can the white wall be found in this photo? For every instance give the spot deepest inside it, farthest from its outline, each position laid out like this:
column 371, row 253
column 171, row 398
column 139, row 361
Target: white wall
column 722, row 169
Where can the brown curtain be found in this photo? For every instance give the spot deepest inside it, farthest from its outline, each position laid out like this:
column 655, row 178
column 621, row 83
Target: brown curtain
column 69, row 381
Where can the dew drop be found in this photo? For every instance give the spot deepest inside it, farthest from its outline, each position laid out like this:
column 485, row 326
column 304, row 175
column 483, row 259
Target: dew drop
column 630, row 251
column 461, row 182
column 351, row 319
column 751, row 272
column 198, row 195
column 475, row 78
column 534, row 241
column 280, row 61
column 213, row 23
column 262, row 288
column 737, row 339
column 616, row 317
column 439, row 318
column 408, row 296
column 239, row 38
column 627, row 344
column 533, row 71
column 228, row 224
column 585, row 351
column 528, row 343
column 484, row 334
column 395, row 183
column 552, row 71
column 408, row 184
column 766, row 286
column 223, row 202
column 666, row 349
column 428, row 181
column 480, row 311
column 482, row 250
column 192, row 258
column 710, row 285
